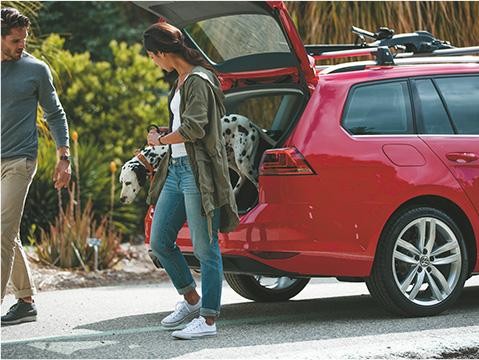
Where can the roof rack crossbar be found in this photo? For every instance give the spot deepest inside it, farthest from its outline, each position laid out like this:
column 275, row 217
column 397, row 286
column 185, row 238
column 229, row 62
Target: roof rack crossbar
column 319, row 49
column 444, row 52
column 382, row 53
column 345, row 53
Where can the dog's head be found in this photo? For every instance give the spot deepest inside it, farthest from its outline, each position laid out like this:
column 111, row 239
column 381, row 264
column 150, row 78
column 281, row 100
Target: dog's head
column 134, row 173
column 132, row 179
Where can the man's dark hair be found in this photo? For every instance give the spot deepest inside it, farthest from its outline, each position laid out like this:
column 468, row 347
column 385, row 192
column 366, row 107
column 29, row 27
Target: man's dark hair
column 12, row 18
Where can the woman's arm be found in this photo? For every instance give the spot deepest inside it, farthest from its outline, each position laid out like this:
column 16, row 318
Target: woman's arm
column 153, row 138
column 194, row 117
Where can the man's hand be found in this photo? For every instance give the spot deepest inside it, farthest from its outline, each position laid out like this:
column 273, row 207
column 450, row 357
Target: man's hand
column 62, row 175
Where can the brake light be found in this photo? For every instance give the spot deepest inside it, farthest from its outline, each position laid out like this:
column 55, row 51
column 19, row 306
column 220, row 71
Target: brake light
column 284, row 161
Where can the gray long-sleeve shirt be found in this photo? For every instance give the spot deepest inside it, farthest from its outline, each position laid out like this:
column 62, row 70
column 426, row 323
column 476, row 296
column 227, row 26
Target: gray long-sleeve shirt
column 26, row 83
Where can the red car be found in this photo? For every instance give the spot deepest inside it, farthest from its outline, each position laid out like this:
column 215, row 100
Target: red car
column 374, row 172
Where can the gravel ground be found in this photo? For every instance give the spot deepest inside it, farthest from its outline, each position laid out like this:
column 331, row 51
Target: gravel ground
column 136, row 269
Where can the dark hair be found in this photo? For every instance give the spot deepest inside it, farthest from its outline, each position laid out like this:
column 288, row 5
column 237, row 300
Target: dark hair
column 166, row 38
column 11, row 18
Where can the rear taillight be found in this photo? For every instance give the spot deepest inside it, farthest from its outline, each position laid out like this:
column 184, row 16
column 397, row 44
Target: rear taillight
column 284, row 161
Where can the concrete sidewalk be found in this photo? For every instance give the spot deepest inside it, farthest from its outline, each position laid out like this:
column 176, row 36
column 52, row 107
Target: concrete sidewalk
column 72, row 312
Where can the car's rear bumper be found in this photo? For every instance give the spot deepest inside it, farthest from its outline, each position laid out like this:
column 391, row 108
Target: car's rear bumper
column 278, row 240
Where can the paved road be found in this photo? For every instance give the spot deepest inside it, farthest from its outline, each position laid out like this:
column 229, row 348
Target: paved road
column 328, row 319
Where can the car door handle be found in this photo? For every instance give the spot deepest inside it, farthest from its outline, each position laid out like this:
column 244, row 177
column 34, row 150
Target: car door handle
column 462, row 157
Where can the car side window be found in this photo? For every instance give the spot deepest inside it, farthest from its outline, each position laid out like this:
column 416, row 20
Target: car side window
column 431, row 110
column 383, row 108
column 461, row 95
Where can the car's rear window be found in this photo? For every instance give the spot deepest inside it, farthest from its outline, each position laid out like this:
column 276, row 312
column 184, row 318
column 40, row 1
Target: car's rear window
column 230, row 37
column 433, row 114
column 382, row 108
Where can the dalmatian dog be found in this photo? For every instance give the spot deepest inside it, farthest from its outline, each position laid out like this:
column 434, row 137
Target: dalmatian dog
column 241, row 138
column 135, row 171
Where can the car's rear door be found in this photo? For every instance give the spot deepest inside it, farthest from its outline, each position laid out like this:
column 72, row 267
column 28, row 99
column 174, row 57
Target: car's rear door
column 447, row 108
column 246, row 41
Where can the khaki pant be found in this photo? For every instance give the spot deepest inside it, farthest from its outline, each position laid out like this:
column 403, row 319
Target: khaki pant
column 17, row 175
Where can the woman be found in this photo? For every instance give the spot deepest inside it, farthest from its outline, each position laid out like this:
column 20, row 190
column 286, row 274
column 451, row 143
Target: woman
column 192, row 182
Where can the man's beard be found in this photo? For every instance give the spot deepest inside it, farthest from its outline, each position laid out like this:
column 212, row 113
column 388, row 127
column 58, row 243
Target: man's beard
column 12, row 55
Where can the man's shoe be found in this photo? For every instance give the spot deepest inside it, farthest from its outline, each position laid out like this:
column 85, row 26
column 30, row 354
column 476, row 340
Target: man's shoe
column 19, row 313
column 195, row 329
column 184, row 312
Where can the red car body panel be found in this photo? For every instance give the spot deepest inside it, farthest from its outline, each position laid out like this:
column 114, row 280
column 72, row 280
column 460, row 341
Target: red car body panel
column 461, row 156
column 330, row 222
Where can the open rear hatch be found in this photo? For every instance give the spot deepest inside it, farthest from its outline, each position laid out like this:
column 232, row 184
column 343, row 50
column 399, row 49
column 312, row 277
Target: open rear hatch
column 246, row 41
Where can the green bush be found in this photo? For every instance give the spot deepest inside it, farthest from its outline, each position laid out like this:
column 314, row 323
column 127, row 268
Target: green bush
column 112, row 103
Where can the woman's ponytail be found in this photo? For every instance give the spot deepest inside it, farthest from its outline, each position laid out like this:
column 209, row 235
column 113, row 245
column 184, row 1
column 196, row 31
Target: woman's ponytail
column 194, row 57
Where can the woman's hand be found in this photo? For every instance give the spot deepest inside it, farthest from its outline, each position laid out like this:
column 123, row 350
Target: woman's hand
column 163, row 130
column 152, row 137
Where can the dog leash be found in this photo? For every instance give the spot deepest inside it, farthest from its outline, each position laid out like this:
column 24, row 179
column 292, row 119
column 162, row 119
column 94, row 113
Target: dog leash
column 144, row 161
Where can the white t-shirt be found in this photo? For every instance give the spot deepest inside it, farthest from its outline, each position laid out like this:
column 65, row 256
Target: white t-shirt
column 177, row 150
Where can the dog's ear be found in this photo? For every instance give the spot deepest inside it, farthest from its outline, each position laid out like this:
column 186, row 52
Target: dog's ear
column 140, row 172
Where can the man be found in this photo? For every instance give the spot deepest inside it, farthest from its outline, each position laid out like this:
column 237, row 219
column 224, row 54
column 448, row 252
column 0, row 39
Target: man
column 26, row 82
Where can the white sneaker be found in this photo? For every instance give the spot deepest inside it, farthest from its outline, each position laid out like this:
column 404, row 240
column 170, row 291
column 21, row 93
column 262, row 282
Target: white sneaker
column 195, row 329
column 184, row 312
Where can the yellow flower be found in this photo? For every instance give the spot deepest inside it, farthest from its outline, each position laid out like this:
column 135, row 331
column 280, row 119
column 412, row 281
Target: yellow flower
column 113, row 167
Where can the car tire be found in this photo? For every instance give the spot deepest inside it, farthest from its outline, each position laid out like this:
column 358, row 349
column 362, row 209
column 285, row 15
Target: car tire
column 265, row 289
column 421, row 263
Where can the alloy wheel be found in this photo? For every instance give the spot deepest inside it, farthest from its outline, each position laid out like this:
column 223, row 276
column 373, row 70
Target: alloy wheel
column 426, row 261
column 275, row 283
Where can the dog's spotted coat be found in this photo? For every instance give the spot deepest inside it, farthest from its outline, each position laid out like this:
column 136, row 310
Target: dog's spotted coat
column 241, row 138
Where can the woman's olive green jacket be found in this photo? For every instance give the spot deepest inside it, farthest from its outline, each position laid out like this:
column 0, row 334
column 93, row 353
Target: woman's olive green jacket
column 201, row 109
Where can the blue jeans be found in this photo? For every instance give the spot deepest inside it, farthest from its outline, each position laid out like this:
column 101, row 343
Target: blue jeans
column 180, row 201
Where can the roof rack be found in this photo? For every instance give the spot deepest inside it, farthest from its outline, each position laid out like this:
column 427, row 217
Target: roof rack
column 361, row 65
column 418, row 44
column 385, row 57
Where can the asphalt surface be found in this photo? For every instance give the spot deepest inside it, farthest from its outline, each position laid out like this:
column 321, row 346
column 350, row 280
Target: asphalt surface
column 327, row 319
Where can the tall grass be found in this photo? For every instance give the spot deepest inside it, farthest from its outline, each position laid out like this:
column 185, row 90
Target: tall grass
column 322, row 22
